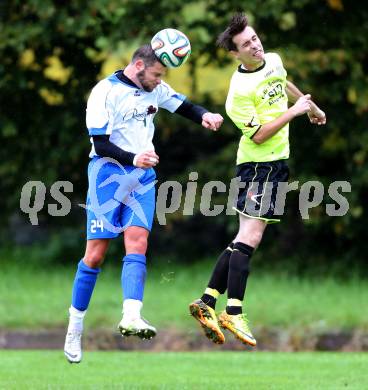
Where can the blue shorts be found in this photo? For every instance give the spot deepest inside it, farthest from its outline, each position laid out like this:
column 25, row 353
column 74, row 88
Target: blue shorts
column 118, row 196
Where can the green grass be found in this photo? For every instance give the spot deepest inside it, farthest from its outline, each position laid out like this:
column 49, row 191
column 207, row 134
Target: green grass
column 33, row 297
column 199, row 370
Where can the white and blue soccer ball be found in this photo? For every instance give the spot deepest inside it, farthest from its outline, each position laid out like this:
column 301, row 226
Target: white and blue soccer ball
column 172, row 47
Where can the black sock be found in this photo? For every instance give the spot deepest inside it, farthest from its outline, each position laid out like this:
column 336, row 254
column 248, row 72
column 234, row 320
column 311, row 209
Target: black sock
column 238, row 274
column 219, row 276
column 209, row 300
column 234, row 310
column 220, row 273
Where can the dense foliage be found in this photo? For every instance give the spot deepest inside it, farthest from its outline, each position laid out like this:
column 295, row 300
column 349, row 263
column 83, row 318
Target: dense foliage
column 53, row 52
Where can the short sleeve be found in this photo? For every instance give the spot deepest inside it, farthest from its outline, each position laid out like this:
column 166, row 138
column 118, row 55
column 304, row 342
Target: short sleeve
column 168, row 98
column 242, row 111
column 97, row 116
column 279, row 65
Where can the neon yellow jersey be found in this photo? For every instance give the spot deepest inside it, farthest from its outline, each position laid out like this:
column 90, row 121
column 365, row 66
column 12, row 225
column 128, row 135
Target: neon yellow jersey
column 255, row 98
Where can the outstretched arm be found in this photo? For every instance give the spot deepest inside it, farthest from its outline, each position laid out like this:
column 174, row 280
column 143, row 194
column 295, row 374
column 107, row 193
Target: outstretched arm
column 316, row 115
column 200, row 115
column 212, row 121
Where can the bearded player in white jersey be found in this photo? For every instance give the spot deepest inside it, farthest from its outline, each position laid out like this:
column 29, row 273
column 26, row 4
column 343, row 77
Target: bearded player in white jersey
column 121, row 194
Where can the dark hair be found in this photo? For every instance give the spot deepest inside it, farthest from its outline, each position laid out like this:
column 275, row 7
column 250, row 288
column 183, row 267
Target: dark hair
column 237, row 24
column 146, row 54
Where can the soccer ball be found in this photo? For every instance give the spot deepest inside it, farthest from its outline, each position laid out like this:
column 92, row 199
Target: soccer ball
column 171, row 47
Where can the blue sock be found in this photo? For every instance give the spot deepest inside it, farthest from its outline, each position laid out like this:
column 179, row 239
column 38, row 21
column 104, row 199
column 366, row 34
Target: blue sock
column 84, row 283
column 133, row 276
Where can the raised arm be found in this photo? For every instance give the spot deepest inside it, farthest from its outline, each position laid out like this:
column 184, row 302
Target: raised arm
column 269, row 129
column 316, row 115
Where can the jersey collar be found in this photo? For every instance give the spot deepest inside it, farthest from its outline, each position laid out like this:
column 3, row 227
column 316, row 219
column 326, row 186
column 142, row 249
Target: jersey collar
column 242, row 70
column 126, row 80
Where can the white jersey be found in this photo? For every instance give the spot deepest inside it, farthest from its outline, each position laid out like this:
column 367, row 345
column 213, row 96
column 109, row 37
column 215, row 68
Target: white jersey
column 125, row 112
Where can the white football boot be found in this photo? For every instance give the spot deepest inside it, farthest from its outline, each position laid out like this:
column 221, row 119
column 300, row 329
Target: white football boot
column 136, row 327
column 73, row 346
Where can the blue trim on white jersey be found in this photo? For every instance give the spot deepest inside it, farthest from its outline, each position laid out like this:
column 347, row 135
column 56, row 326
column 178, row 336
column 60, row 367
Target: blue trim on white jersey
column 95, row 131
column 179, row 96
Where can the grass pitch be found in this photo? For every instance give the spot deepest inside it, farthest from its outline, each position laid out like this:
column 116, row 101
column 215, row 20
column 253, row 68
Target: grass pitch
column 42, row 297
column 187, row 370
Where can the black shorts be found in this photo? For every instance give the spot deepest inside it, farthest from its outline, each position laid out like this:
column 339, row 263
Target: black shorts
column 259, row 187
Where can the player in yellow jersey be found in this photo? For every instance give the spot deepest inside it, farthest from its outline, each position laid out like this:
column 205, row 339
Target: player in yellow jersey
column 257, row 103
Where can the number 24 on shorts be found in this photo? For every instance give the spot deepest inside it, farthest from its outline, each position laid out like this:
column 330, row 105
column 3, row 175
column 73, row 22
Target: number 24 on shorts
column 96, row 224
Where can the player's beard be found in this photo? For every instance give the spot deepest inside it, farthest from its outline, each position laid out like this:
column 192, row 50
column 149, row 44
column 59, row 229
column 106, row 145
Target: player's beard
column 141, row 75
